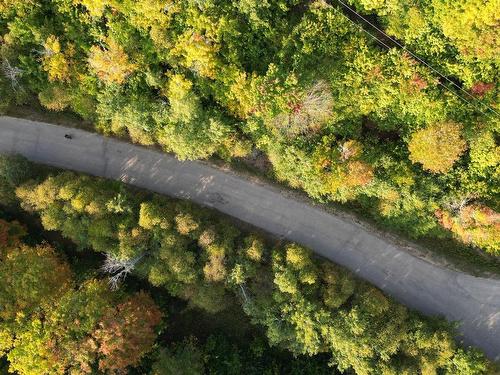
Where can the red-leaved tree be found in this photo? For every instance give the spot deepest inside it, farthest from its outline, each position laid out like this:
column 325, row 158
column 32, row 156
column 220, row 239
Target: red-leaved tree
column 128, row 332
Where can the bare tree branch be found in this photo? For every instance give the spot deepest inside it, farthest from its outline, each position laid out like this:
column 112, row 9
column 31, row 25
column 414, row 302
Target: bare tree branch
column 458, row 204
column 308, row 113
column 245, row 296
column 12, row 73
column 119, row 268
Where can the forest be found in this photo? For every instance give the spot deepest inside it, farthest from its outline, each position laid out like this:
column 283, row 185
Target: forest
column 100, row 297
column 61, row 318
column 401, row 123
column 392, row 111
column 59, row 315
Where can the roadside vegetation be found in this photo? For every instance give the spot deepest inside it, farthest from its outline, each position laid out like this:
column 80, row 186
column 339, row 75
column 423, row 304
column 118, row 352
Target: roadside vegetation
column 52, row 322
column 298, row 84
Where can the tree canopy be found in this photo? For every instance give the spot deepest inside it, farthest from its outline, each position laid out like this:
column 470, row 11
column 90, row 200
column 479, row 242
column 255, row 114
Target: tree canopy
column 51, row 325
column 305, row 304
column 83, row 327
column 299, row 87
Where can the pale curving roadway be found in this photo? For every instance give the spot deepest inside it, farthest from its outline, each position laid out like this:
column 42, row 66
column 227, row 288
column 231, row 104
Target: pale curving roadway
column 429, row 288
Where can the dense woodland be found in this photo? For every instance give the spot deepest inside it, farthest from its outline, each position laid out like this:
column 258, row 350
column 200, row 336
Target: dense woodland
column 295, row 83
column 51, row 322
column 62, row 318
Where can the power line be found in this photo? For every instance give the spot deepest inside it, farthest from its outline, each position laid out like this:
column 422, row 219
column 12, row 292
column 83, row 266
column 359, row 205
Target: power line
column 416, row 57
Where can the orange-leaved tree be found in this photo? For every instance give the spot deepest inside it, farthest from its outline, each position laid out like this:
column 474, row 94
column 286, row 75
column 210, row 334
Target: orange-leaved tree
column 126, row 333
column 474, row 224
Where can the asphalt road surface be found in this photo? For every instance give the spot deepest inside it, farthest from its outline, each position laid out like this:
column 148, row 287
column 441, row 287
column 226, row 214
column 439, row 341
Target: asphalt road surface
column 429, row 288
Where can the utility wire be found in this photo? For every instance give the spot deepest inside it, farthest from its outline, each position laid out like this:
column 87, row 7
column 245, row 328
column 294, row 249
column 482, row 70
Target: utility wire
column 416, row 57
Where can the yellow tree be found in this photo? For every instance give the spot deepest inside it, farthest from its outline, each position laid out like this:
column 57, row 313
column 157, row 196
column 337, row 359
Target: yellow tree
column 198, row 53
column 55, row 97
column 112, row 64
column 471, row 24
column 437, row 147
column 150, row 15
column 96, row 8
column 342, row 168
column 7, row 5
column 54, row 62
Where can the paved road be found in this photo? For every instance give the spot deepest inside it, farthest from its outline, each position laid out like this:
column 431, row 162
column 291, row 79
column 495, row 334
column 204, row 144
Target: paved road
column 473, row 301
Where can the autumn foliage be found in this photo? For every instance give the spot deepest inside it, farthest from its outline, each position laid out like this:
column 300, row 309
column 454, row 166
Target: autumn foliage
column 31, row 277
column 111, row 64
column 474, row 224
column 51, row 325
column 127, row 332
column 305, row 304
column 54, row 61
column 327, row 108
column 437, row 147
column 263, row 83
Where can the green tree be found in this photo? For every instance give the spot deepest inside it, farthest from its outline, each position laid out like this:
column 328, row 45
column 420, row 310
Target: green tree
column 14, row 171
column 180, row 359
column 31, row 278
column 303, row 303
column 190, row 131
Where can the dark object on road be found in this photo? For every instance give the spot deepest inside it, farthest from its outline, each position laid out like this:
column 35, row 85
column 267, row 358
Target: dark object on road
column 68, row 136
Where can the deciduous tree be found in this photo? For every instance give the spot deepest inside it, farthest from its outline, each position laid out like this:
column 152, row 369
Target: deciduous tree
column 31, row 278
column 126, row 333
column 437, row 147
column 111, row 63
